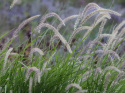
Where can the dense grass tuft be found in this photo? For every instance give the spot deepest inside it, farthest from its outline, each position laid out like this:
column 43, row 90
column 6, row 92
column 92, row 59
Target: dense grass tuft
column 76, row 66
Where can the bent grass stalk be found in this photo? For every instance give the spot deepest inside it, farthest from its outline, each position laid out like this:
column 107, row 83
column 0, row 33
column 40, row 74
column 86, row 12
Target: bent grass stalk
column 14, row 3
column 14, row 54
column 30, row 84
column 97, row 11
column 43, row 19
column 36, row 50
column 77, row 31
column 56, row 33
column 119, row 27
column 108, row 52
column 73, row 85
column 37, row 74
column 24, row 23
column 102, row 26
column 90, row 45
column 66, row 19
column 86, row 75
column 113, row 68
column 100, row 15
column 76, row 86
column 77, row 21
column 101, row 19
column 88, row 7
column 109, row 35
column 6, row 58
column 113, row 36
column 119, row 77
column 95, row 24
column 118, row 37
column 82, row 15
column 107, row 79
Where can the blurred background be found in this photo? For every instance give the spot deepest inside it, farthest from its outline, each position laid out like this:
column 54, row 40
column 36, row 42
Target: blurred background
column 11, row 18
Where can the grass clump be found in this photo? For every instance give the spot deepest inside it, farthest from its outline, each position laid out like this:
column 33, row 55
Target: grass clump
column 80, row 66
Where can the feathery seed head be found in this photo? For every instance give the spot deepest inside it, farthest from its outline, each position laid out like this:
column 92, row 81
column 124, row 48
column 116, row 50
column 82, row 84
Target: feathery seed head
column 119, row 27
column 15, row 2
column 90, row 6
column 6, row 57
column 77, row 31
column 73, row 85
column 23, row 24
column 43, row 19
column 30, row 84
column 67, row 19
column 101, row 10
column 36, row 50
column 57, row 34
column 37, row 73
column 113, row 68
column 107, row 79
column 108, row 52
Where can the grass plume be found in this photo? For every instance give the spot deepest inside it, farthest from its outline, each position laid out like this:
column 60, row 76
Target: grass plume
column 56, row 33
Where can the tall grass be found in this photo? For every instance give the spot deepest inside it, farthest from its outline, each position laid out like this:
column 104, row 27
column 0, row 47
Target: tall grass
column 92, row 67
